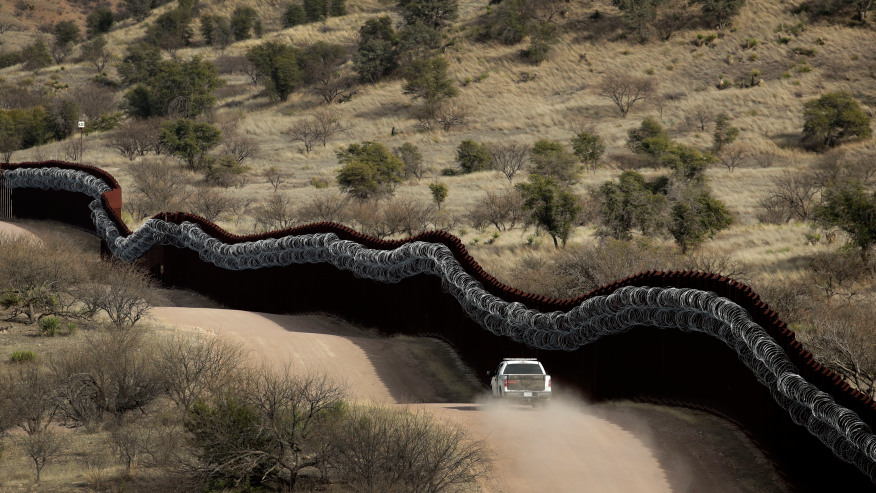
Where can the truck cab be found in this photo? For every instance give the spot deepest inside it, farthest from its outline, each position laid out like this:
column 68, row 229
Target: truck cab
column 520, row 379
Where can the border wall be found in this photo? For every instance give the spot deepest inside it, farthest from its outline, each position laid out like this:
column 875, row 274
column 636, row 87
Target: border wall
column 665, row 366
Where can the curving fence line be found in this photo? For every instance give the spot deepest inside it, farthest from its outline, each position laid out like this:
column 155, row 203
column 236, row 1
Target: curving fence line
column 808, row 392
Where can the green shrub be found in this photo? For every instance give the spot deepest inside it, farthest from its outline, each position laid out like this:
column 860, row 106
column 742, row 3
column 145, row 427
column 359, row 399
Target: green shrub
column 49, row 325
column 472, row 156
column 832, row 119
column 294, row 16
column 22, row 356
column 810, row 52
column 104, row 122
column 9, row 59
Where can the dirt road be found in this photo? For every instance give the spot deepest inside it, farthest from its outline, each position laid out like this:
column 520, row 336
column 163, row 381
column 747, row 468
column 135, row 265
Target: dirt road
column 569, row 446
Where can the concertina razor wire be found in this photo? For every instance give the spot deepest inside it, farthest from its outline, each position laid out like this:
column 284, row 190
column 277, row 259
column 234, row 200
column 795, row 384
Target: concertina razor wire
column 692, row 310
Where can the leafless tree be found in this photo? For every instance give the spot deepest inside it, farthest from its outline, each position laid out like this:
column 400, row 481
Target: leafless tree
column 37, row 276
column 158, row 186
column 625, row 89
column 796, row 192
column 835, row 273
column 95, row 52
column 249, row 68
column 286, row 411
column 844, row 341
column 211, row 203
column 306, row 131
column 95, row 101
column 241, row 147
column 129, row 440
column 405, row 215
column 275, row 212
column 672, row 16
column 328, row 124
column 74, row 149
column 275, row 177
column 733, row 155
column 28, row 400
column 123, row 292
column 377, row 448
column 504, row 210
column 132, row 140
column 700, row 117
column 330, row 207
column 42, row 447
column 8, row 24
column 453, row 114
column 196, row 366
column 509, row 158
column 115, row 369
column 9, row 143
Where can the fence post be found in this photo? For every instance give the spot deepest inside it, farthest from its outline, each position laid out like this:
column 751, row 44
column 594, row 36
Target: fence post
column 5, row 199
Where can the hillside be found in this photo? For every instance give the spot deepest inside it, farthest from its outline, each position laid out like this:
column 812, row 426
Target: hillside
column 560, row 99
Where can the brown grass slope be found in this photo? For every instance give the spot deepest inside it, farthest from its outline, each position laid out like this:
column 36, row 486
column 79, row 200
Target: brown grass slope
column 769, row 115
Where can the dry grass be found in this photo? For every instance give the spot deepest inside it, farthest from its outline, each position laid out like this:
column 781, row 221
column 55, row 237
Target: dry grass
column 769, row 115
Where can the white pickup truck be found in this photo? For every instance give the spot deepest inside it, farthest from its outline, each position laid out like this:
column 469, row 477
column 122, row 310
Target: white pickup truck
column 521, row 379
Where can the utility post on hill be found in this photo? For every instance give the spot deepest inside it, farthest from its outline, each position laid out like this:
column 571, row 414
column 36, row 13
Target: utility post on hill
column 81, row 126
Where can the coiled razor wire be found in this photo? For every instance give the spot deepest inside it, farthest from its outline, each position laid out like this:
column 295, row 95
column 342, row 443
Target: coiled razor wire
column 687, row 309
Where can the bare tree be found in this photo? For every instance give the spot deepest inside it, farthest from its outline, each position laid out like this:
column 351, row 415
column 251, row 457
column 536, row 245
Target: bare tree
column 672, row 17
column 844, row 341
column 451, row 114
column 95, row 52
column 275, row 212
column 196, row 366
column 74, row 149
column 9, row 143
column 700, row 117
column 115, row 369
column 796, row 192
column 132, row 140
column 835, row 273
column 129, row 440
column 211, row 203
column 509, row 158
column 123, row 292
column 94, row 100
column 625, row 89
column 158, row 186
column 329, row 207
column 503, row 210
column 42, row 447
column 275, row 177
column 241, row 147
column 265, row 429
column 386, row 449
column 37, row 276
column 405, row 215
column 733, row 155
column 8, row 24
column 328, row 124
column 306, row 131
column 29, row 399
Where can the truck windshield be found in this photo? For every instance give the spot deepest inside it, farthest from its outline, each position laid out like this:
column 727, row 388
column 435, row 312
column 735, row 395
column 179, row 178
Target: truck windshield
column 523, row 369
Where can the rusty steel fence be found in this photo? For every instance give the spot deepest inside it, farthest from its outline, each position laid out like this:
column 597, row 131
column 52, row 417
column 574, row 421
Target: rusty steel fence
column 5, row 199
